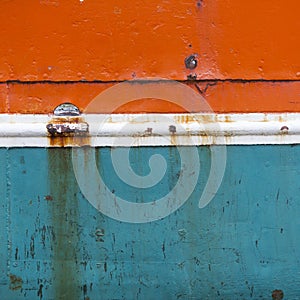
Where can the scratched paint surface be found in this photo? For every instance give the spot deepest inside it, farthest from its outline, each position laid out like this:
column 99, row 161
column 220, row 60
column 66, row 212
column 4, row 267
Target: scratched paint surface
column 244, row 245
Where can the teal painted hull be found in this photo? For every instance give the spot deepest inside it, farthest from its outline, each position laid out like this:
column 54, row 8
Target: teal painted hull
column 243, row 245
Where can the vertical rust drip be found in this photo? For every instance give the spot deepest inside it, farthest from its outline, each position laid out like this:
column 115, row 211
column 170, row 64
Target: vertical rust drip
column 64, row 213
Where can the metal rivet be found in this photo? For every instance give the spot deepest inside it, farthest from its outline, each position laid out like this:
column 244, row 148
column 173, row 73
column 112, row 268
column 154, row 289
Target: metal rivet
column 66, row 109
column 284, row 129
column 191, row 62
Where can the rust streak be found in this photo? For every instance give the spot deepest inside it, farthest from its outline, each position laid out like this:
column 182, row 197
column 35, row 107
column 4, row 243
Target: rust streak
column 15, row 282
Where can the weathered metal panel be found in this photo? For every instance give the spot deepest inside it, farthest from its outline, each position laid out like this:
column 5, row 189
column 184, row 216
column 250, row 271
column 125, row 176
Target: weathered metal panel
column 243, row 245
column 121, row 40
column 238, row 56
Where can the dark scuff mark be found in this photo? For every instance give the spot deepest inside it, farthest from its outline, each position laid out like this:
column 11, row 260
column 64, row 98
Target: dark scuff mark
column 16, row 253
column 197, row 261
column 84, row 288
column 163, row 249
column 15, row 282
column 40, row 291
column 207, row 85
column 43, row 235
column 277, row 195
column 32, row 253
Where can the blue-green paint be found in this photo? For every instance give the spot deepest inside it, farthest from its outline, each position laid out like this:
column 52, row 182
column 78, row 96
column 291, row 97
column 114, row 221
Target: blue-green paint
column 243, row 245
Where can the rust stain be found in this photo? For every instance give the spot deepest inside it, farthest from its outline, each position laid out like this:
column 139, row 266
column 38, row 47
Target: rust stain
column 173, row 140
column 184, row 119
column 190, row 118
column 15, row 282
column 228, row 119
column 207, row 118
column 64, row 214
column 48, row 198
column 68, row 138
column 72, row 119
column 69, row 141
column 277, row 295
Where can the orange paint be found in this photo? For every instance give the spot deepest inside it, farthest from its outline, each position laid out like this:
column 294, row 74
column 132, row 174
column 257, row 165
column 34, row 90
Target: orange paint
column 96, row 40
column 84, row 47
column 4, row 101
column 255, row 39
column 222, row 97
column 43, row 97
column 120, row 40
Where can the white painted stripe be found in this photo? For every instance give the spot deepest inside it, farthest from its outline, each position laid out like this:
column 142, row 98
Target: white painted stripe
column 20, row 130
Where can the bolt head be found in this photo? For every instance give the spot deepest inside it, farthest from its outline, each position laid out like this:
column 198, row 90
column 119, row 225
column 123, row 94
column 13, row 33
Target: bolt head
column 191, row 62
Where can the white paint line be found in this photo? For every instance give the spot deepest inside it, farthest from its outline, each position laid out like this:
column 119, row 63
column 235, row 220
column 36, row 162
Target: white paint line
column 27, row 130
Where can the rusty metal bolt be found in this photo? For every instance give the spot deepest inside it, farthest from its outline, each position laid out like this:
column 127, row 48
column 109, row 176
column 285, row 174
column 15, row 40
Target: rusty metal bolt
column 51, row 129
column 284, row 129
column 148, row 131
column 191, row 62
column 172, row 129
column 277, row 295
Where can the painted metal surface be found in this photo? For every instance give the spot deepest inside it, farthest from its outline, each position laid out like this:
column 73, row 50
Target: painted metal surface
column 243, row 245
column 241, row 58
column 222, row 96
column 120, row 40
column 133, row 130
